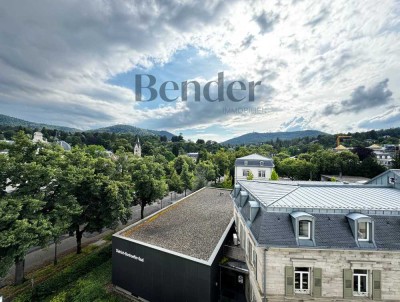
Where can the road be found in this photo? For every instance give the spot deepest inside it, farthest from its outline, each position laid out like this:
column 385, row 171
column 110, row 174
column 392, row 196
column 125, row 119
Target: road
column 39, row 257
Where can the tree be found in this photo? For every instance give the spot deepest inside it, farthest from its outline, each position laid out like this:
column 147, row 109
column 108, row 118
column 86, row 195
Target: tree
column 186, row 177
column 104, row 197
column 250, row 176
column 175, row 183
column 227, row 183
column 22, row 222
column 222, row 162
column 396, row 160
column 149, row 182
column 274, row 175
column 205, row 172
column 181, row 160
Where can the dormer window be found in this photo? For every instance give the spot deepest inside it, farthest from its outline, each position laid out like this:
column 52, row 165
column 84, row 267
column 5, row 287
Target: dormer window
column 362, row 227
column 304, row 229
column 363, row 231
column 261, row 163
column 246, row 162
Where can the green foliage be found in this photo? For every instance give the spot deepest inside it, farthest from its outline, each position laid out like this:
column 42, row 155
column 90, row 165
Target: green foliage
column 274, row 175
column 333, row 179
column 296, row 169
column 71, row 274
column 175, row 183
column 149, row 181
column 227, row 183
column 250, row 176
column 187, row 178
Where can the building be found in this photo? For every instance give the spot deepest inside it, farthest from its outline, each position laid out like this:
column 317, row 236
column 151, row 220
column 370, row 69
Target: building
column 345, row 178
column 193, row 155
column 385, row 155
column 64, row 145
column 321, row 241
column 38, row 138
column 137, row 149
column 260, row 166
column 174, row 254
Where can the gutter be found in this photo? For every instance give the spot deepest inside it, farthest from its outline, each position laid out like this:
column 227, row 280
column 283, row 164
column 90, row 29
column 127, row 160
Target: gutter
column 265, row 275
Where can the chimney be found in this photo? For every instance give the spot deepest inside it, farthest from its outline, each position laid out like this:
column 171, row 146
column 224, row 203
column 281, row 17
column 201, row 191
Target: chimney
column 254, row 207
column 243, row 198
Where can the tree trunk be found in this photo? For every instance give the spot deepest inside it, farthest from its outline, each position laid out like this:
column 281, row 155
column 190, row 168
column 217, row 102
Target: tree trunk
column 19, row 271
column 185, row 192
column 142, row 210
column 79, row 240
column 55, row 253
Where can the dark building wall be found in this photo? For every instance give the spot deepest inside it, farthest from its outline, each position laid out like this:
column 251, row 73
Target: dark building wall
column 162, row 276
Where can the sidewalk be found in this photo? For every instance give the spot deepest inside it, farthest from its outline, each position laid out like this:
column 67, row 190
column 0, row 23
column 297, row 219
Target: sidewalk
column 39, row 257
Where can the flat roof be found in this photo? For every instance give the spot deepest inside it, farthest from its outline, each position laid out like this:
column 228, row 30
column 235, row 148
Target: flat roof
column 323, row 195
column 192, row 226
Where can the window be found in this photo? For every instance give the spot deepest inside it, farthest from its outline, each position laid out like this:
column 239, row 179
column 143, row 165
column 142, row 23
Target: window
column 360, row 282
column 261, row 163
column 249, row 249
column 302, row 280
column 246, row 172
column 261, row 173
column 254, row 260
column 304, row 229
column 363, row 231
column 246, row 162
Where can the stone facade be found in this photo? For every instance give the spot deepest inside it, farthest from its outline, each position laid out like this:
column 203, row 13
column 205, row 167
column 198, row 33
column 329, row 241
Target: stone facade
column 331, row 262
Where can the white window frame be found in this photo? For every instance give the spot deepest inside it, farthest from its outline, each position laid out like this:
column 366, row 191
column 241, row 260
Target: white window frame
column 368, row 226
column 261, row 176
column 246, row 162
column 261, row 163
column 301, row 273
column 358, row 293
column 309, row 229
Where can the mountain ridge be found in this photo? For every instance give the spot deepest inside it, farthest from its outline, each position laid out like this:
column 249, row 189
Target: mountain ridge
column 6, row 120
column 261, row 137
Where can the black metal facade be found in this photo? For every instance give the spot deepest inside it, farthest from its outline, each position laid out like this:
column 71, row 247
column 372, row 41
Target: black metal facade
column 162, row 277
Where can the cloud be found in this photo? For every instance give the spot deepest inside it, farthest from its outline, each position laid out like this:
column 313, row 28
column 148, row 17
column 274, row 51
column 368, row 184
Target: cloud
column 266, row 21
column 58, row 60
column 362, row 98
column 388, row 119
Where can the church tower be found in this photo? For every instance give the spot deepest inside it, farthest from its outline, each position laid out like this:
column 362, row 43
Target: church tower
column 137, row 149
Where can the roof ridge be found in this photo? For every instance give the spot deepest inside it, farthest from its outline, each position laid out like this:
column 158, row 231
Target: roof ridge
column 283, row 196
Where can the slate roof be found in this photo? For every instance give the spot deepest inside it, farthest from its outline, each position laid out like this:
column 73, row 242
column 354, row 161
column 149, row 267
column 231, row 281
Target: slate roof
column 254, row 160
column 331, row 231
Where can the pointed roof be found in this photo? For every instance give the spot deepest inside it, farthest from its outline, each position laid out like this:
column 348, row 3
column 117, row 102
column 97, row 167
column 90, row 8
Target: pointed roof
column 255, row 156
column 340, row 147
column 374, row 146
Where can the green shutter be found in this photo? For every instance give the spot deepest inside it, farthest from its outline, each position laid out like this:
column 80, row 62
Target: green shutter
column 347, row 283
column 376, row 285
column 317, row 275
column 289, row 282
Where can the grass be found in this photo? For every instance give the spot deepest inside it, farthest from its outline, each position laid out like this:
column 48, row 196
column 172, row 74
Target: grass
column 83, row 276
column 91, row 287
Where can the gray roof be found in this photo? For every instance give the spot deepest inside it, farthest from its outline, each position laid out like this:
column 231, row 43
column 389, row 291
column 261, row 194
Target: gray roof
column 254, row 160
column 193, row 226
column 331, row 231
column 277, row 196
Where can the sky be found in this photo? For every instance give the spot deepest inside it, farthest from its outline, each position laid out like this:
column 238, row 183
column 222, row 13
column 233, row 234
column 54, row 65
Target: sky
column 325, row 65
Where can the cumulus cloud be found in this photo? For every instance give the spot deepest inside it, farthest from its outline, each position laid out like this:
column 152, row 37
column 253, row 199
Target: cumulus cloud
column 362, row 98
column 57, row 59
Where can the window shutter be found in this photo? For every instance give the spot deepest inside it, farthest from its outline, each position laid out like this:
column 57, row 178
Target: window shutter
column 317, row 274
column 347, row 283
column 376, row 285
column 289, row 284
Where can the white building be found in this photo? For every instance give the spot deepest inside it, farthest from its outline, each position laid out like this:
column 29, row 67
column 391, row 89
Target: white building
column 38, row 137
column 260, row 166
column 137, row 149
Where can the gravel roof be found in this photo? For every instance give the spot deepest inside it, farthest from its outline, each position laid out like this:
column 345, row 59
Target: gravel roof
column 192, row 226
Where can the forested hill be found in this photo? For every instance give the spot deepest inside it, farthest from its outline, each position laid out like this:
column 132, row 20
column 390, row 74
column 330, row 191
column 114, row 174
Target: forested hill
column 256, row 137
column 127, row 129
column 6, row 120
